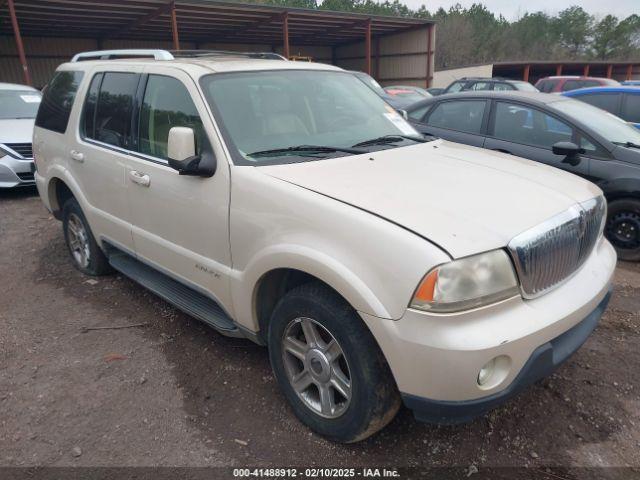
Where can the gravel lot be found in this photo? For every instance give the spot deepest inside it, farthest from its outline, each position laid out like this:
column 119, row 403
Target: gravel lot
column 174, row 392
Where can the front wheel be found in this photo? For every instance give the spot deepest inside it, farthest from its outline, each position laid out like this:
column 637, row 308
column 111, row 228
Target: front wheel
column 329, row 366
column 623, row 228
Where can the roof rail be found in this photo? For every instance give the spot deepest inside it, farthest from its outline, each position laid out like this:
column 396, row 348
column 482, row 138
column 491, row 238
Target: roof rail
column 124, row 53
column 169, row 55
column 231, row 53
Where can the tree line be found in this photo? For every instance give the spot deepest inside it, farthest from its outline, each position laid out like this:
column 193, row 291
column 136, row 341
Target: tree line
column 467, row 36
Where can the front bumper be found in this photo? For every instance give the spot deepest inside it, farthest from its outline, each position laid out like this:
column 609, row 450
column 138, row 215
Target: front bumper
column 16, row 172
column 542, row 362
column 437, row 357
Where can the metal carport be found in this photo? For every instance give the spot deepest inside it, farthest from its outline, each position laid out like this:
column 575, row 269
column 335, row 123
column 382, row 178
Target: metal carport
column 36, row 35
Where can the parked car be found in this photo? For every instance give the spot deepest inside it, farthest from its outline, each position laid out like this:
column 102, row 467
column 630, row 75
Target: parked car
column 287, row 203
column 435, row 91
column 633, row 83
column 567, row 83
column 555, row 130
column 481, row 83
column 623, row 101
column 18, row 107
column 407, row 94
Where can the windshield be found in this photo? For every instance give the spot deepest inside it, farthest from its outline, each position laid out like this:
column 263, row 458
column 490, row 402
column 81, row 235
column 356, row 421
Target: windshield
column 609, row 126
column 19, row 104
column 455, row 87
column 263, row 111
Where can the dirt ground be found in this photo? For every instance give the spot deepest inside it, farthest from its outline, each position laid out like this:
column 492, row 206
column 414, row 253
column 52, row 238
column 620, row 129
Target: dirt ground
column 174, row 392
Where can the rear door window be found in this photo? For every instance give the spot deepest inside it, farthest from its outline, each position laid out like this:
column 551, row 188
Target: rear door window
column 462, row 116
column 112, row 124
column 57, row 101
column 606, row 101
column 166, row 104
column 88, row 121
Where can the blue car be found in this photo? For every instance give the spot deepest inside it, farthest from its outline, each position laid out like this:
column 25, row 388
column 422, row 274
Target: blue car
column 623, row 101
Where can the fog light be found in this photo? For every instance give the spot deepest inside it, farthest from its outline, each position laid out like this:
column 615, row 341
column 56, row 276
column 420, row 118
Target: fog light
column 485, row 372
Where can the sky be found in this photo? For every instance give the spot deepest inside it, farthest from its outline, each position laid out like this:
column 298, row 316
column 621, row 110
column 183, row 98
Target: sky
column 513, row 9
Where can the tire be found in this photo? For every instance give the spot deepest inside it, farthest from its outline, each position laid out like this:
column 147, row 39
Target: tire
column 623, row 228
column 83, row 248
column 372, row 399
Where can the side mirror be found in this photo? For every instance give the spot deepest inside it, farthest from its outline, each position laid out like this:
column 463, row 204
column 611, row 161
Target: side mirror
column 569, row 150
column 404, row 114
column 181, row 152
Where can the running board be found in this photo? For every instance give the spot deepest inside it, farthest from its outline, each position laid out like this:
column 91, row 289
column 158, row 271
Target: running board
column 186, row 299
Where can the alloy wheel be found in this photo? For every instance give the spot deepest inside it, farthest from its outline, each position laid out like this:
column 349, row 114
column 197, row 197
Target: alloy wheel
column 316, row 367
column 78, row 240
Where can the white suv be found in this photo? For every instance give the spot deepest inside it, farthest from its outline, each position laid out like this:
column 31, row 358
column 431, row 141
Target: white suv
column 286, row 202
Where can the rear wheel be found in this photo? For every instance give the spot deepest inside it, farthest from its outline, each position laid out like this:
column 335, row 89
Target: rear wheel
column 623, row 228
column 329, row 366
column 85, row 252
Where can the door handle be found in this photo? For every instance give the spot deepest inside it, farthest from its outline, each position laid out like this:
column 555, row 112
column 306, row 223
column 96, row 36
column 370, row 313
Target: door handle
column 139, row 178
column 77, row 156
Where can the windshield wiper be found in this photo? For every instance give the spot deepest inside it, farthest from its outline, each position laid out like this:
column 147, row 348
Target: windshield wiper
column 386, row 139
column 627, row 144
column 307, row 148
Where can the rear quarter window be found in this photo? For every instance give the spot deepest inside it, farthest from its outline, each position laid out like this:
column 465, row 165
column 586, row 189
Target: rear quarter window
column 57, row 101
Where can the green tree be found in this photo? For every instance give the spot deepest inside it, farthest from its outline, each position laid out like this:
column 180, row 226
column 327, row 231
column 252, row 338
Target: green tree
column 476, row 35
column 606, row 38
column 574, row 27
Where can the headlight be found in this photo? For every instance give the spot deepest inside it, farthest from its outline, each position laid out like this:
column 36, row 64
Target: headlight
column 467, row 283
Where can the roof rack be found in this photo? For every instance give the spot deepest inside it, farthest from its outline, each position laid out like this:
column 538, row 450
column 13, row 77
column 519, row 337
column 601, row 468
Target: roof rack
column 169, row 55
column 221, row 53
column 125, row 53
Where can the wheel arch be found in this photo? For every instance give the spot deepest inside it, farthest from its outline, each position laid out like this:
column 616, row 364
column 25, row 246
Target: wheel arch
column 279, row 273
column 621, row 188
column 60, row 187
column 58, row 193
column 274, row 285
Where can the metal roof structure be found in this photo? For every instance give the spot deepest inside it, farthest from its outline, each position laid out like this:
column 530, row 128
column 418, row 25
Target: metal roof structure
column 198, row 20
column 531, row 70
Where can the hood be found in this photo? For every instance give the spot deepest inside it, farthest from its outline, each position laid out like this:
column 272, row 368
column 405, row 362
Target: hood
column 16, row 130
column 464, row 199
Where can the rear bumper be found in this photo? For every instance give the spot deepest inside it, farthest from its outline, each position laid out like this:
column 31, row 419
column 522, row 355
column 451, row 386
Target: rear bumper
column 16, row 172
column 542, row 362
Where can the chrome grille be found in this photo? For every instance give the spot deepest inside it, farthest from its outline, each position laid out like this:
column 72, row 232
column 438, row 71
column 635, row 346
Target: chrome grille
column 23, row 149
column 551, row 252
